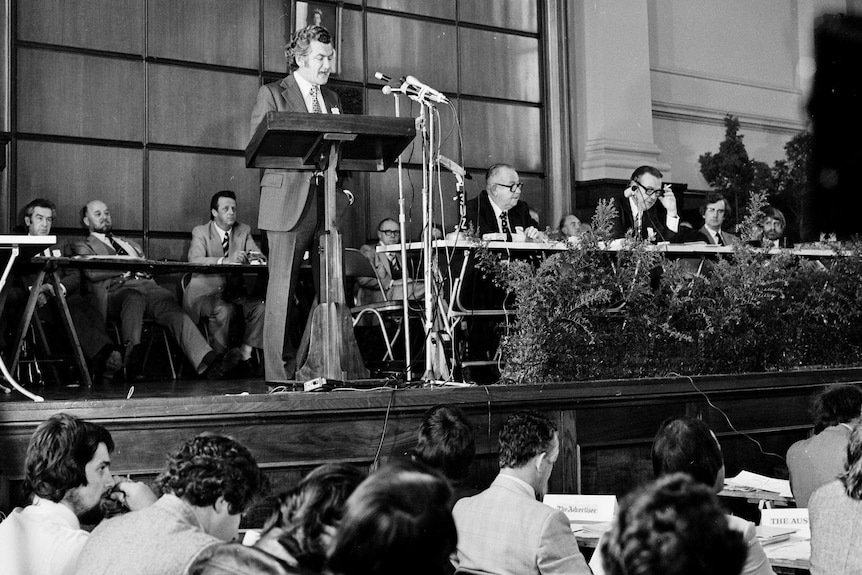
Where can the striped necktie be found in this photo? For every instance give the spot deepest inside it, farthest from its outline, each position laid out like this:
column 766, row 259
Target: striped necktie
column 117, row 247
column 225, row 243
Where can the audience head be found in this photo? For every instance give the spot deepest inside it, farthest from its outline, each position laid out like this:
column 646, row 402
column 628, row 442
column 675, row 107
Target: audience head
column 715, row 209
column 838, row 403
column 646, row 186
column 68, row 461
column 397, row 521
column 97, row 217
column 310, row 54
column 503, row 185
column 309, row 514
column 570, row 226
column 529, row 443
column 446, row 442
column 39, row 217
column 216, row 475
column 223, row 209
column 673, row 526
column 388, row 232
column 773, row 223
column 852, row 475
column 687, row 445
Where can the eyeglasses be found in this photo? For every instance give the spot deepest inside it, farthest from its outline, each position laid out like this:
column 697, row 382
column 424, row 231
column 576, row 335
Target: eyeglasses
column 650, row 191
column 512, row 187
column 390, row 233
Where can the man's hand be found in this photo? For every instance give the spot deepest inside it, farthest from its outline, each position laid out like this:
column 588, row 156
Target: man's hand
column 134, row 495
column 237, row 257
column 533, row 233
column 668, row 200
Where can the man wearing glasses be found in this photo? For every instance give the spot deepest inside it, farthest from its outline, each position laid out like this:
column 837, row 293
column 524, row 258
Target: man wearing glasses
column 498, row 208
column 387, row 266
column 648, row 207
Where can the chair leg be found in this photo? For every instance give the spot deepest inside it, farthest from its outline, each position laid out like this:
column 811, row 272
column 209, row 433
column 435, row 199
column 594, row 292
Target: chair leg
column 170, row 355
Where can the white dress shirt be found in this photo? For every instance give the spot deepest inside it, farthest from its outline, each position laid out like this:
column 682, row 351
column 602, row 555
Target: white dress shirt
column 305, row 88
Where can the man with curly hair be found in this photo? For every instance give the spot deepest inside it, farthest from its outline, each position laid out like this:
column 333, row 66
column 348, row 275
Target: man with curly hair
column 68, row 474
column 207, row 485
column 288, row 198
column 505, row 529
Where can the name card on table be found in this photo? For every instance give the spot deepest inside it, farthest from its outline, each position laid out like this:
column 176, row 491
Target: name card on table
column 793, row 518
column 584, row 508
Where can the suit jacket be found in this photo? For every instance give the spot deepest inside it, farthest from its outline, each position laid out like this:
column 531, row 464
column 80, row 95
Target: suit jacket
column 283, row 193
column 369, row 289
column 656, row 218
column 729, row 238
column 101, row 282
column 480, row 213
column 836, row 529
column 206, row 248
column 504, row 530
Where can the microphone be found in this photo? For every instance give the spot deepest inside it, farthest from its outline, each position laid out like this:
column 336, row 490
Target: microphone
column 382, row 76
column 426, row 90
column 453, row 167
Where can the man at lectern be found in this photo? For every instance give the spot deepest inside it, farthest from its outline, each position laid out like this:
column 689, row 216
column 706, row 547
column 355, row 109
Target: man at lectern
column 289, row 199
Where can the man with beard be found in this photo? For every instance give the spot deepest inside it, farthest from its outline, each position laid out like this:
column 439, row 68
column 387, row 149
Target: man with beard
column 68, row 473
column 128, row 295
column 506, row 528
column 773, row 225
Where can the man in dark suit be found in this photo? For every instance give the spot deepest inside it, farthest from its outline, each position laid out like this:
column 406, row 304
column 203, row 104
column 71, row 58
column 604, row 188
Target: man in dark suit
column 217, row 298
column 127, row 295
column 714, row 209
column 289, row 199
column 648, row 207
column 498, row 208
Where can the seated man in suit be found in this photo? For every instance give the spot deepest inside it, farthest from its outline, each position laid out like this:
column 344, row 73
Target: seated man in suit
column 499, row 209
column 714, row 209
column 216, row 298
column 387, row 266
column 648, row 208
column 128, row 295
column 104, row 357
column 505, row 529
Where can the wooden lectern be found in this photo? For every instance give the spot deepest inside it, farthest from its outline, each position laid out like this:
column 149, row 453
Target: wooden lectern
column 290, row 140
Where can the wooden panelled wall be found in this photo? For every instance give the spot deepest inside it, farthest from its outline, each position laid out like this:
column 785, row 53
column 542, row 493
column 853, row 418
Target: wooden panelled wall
column 146, row 103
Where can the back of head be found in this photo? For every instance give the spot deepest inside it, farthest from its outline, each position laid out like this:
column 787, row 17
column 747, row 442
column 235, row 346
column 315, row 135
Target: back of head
column 397, row 521
column 309, row 510
column 673, row 526
column 852, row 475
column 686, row 445
column 446, row 441
column 838, row 403
column 523, row 436
column 58, row 452
column 210, row 466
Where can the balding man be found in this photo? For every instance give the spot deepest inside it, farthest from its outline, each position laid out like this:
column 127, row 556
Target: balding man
column 499, row 209
column 128, row 295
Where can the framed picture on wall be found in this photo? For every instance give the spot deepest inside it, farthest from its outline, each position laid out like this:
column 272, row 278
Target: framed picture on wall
column 320, row 14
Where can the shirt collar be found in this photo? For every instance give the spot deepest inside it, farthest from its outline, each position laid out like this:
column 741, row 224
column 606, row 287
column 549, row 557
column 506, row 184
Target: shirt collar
column 218, row 231
column 497, row 211
column 523, row 485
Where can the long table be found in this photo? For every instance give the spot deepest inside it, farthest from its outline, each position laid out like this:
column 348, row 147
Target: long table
column 48, row 267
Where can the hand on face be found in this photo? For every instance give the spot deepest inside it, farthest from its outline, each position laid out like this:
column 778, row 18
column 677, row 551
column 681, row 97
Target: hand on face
column 133, row 495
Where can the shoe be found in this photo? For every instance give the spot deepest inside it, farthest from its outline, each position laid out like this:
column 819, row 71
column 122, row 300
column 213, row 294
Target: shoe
column 107, row 363
column 225, row 364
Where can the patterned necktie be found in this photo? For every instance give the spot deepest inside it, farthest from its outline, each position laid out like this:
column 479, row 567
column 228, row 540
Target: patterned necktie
column 225, row 243
column 396, row 267
column 504, row 223
column 117, row 247
column 315, row 103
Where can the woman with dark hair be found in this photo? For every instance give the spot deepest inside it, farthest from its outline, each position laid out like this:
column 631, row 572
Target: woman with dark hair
column 397, row 521
column 836, row 517
column 296, row 536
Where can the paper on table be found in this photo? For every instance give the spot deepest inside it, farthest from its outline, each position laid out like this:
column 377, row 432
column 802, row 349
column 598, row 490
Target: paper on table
column 747, row 479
